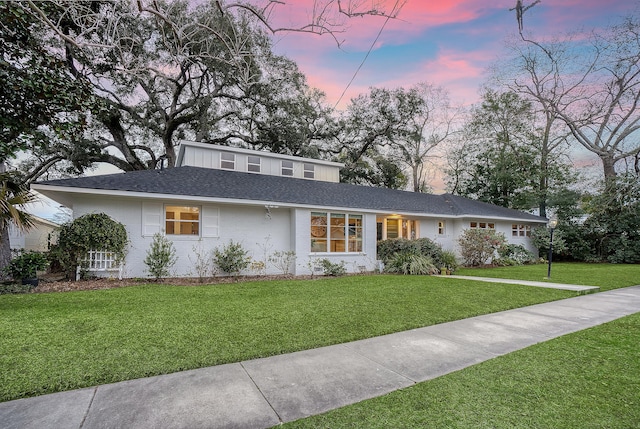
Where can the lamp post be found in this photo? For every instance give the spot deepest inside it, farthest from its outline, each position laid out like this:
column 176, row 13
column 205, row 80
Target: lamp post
column 553, row 222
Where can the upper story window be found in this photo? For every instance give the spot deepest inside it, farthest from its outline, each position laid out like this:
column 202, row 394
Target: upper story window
column 228, row 161
column 520, row 230
column 309, row 171
column 442, row 227
column 253, row 164
column 287, row 168
column 182, row 220
column 482, row 225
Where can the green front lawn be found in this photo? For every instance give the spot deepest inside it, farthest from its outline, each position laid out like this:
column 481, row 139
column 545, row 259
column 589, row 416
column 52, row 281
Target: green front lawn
column 607, row 276
column 61, row 341
column 586, row 380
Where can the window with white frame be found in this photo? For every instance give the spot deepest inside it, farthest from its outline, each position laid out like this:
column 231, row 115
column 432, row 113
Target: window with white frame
column 228, row 161
column 182, row 220
column 482, row 225
column 287, row 168
column 442, row 227
column 336, row 232
column 309, row 171
column 253, row 164
column 520, row 230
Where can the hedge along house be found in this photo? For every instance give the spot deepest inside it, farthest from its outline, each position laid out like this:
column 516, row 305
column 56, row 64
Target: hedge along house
column 268, row 203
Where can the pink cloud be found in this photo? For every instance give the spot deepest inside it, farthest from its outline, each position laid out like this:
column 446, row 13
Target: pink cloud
column 454, row 71
column 357, row 33
column 460, row 72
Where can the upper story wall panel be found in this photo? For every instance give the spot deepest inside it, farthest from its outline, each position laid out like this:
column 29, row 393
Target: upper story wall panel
column 250, row 161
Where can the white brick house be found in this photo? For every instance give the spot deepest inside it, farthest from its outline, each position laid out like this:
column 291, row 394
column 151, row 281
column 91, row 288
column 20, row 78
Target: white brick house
column 270, row 202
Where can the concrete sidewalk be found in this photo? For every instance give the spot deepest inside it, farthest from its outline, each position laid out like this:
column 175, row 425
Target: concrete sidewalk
column 264, row 392
column 544, row 284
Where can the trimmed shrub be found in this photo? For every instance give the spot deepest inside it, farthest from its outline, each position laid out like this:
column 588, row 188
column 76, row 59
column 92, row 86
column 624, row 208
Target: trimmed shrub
column 232, row 258
column 161, row 256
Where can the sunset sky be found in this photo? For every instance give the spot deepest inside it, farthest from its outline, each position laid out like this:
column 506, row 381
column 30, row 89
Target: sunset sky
column 445, row 42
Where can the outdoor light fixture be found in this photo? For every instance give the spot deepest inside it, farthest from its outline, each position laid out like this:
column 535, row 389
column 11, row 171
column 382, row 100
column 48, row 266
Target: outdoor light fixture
column 267, row 209
column 553, row 223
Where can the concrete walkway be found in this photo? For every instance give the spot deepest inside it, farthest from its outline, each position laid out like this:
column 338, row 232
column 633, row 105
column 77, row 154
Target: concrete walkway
column 264, row 392
column 576, row 288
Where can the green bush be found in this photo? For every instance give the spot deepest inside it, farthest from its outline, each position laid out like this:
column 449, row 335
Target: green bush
column 95, row 231
column 449, row 261
column 161, row 256
column 232, row 259
column 14, row 288
column 478, row 246
column 25, row 265
column 515, row 254
column 422, row 246
column 431, row 249
column 410, row 264
column 614, row 221
column 387, row 248
column 336, row 269
column 541, row 237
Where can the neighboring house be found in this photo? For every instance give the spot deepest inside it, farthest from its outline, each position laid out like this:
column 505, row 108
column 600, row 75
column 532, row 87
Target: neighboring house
column 40, row 237
column 268, row 203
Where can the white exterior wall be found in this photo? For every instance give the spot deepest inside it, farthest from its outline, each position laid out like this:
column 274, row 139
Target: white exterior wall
column 454, row 228
column 270, row 164
column 247, row 225
column 259, row 232
column 429, row 229
column 502, row 226
column 38, row 238
column 354, row 262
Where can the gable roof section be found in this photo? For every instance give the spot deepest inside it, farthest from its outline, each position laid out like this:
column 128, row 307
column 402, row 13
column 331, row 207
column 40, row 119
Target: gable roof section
column 223, row 184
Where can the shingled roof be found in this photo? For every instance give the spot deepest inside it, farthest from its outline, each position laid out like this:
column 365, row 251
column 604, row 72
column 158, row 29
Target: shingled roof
column 224, row 184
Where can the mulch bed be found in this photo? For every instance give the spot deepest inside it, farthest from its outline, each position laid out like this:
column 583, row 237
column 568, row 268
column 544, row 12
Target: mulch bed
column 56, row 284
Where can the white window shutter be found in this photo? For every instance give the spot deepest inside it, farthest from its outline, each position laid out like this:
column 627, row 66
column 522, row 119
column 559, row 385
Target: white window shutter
column 210, row 221
column 151, row 218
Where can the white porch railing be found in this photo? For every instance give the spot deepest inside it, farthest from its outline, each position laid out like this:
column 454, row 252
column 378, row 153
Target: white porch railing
column 99, row 261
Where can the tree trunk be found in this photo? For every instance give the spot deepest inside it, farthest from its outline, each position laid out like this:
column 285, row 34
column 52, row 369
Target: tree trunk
column 416, row 180
column 608, row 164
column 544, row 183
column 5, row 250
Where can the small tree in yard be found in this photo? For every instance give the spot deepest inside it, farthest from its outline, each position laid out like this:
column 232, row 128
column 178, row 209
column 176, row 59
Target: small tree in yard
column 477, row 246
column 232, row 259
column 161, row 256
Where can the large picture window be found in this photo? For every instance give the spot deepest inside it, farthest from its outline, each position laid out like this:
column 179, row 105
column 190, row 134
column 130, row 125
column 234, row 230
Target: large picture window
column 336, row 232
column 182, row 220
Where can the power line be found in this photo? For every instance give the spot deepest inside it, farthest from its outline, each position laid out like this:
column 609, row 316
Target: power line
column 365, row 58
